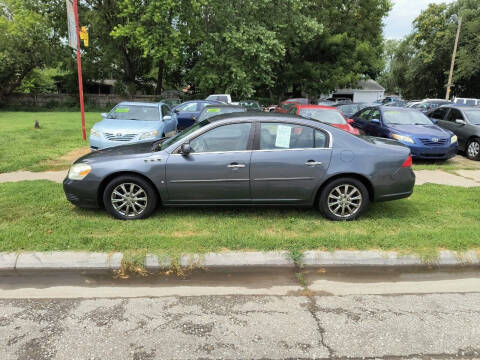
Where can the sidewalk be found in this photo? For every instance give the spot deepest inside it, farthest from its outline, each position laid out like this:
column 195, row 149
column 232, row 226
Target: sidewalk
column 461, row 178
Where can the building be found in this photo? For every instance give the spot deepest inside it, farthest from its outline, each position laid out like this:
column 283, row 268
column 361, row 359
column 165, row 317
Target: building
column 365, row 91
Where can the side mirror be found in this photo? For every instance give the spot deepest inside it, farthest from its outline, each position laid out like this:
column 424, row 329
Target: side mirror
column 167, row 117
column 185, row 149
column 375, row 121
column 460, row 122
column 104, row 115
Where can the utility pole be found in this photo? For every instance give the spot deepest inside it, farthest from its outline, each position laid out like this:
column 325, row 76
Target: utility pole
column 452, row 65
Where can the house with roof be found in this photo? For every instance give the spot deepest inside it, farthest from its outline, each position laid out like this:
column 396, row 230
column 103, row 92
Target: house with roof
column 365, row 91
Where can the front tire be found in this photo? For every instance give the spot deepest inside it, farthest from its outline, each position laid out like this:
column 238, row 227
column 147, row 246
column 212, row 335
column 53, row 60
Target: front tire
column 473, row 149
column 130, row 197
column 344, row 199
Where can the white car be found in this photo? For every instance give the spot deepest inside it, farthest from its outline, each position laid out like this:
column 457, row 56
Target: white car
column 225, row 98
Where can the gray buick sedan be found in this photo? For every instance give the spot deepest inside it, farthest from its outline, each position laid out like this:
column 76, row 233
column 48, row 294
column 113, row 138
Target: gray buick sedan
column 245, row 159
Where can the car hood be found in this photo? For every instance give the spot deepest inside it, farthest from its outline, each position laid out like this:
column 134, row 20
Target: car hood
column 420, row 130
column 126, row 126
column 141, row 148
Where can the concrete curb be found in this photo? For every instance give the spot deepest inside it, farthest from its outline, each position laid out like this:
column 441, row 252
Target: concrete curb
column 89, row 261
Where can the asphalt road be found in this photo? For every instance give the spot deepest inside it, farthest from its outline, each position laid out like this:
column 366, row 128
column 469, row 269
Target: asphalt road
column 257, row 315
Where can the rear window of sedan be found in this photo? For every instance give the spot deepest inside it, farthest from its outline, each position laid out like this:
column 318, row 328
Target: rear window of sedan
column 135, row 112
column 326, row 116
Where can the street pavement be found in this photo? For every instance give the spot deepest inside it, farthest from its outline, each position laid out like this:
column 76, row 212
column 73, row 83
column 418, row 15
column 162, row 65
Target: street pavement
column 264, row 314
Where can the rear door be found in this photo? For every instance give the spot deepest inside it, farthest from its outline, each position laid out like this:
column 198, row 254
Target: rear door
column 289, row 163
column 371, row 128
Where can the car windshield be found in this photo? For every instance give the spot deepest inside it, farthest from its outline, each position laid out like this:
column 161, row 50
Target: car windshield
column 473, row 116
column 326, row 116
column 166, row 143
column 209, row 112
column 399, row 117
column 135, row 112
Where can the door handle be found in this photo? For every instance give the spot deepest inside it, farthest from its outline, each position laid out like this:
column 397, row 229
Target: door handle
column 235, row 166
column 313, row 163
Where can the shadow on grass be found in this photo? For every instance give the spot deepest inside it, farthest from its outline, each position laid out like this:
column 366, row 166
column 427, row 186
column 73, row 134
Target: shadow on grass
column 400, row 209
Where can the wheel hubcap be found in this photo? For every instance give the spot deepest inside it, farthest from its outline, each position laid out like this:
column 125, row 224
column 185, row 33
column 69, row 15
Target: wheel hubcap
column 473, row 149
column 129, row 199
column 345, row 200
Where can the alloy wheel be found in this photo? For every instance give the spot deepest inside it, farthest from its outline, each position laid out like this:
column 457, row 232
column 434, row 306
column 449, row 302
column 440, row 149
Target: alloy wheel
column 129, row 199
column 344, row 200
column 473, row 149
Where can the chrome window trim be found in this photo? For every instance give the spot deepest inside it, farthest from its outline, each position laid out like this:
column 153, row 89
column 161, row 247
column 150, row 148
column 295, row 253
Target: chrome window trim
column 207, row 180
column 252, row 122
column 284, row 179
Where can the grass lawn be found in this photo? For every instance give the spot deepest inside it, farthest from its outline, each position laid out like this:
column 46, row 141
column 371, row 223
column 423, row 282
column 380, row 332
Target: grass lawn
column 25, row 148
column 36, row 216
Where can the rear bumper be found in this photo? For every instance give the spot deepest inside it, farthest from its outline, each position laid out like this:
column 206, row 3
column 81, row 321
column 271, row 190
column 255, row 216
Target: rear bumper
column 400, row 185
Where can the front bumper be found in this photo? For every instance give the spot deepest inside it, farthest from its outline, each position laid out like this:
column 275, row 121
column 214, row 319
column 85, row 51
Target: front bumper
column 433, row 152
column 81, row 193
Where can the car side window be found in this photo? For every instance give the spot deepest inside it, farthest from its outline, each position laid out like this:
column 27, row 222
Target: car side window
column 202, row 105
column 192, row 107
column 233, row 137
column 166, row 111
column 364, row 114
column 375, row 114
column 439, row 114
column 454, row 114
column 280, row 136
column 293, row 110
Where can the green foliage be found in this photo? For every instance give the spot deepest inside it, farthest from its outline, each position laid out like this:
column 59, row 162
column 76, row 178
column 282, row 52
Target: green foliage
column 421, row 63
column 26, row 42
column 41, row 81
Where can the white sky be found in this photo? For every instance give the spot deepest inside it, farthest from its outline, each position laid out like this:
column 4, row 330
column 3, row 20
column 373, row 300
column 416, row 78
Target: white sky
column 399, row 22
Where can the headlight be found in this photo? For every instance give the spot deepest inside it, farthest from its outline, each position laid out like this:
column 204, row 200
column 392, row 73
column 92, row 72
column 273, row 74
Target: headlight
column 148, row 135
column 94, row 132
column 403, row 138
column 79, row 171
column 453, row 139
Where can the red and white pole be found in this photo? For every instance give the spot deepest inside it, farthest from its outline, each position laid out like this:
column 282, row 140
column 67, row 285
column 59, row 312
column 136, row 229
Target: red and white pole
column 79, row 68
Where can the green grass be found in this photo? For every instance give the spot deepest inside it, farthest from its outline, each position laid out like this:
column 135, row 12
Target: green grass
column 36, row 216
column 25, row 148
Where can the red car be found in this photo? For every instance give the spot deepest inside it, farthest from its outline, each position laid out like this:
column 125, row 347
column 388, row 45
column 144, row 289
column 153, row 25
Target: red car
column 326, row 114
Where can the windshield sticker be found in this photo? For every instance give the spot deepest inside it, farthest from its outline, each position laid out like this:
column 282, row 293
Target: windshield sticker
column 213, row 110
column 283, row 136
column 122, row 110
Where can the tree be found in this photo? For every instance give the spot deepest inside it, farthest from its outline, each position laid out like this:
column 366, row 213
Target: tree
column 27, row 41
column 422, row 62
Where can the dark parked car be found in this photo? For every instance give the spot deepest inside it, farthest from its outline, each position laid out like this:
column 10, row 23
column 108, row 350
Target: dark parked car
column 463, row 121
column 215, row 110
column 251, row 105
column 349, row 109
column 189, row 111
column 410, row 127
column 245, row 159
column 428, row 104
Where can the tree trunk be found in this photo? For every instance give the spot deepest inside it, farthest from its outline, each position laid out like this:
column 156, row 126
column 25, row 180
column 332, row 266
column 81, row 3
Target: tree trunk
column 161, row 66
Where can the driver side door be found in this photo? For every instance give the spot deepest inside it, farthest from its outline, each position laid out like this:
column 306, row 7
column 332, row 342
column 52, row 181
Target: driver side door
column 217, row 170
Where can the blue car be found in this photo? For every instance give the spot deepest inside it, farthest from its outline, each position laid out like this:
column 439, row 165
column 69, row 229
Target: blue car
column 189, row 111
column 410, row 127
column 133, row 122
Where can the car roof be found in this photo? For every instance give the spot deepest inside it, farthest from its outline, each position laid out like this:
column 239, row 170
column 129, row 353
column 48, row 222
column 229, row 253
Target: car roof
column 459, row 107
column 228, row 106
column 140, row 103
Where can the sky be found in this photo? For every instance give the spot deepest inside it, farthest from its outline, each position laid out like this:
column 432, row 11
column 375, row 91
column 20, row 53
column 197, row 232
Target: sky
column 399, row 22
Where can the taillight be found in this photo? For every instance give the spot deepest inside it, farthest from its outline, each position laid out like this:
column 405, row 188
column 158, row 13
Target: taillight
column 408, row 162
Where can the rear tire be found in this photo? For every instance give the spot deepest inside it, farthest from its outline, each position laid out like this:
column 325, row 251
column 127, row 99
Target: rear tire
column 343, row 199
column 473, row 149
column 130, row 197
